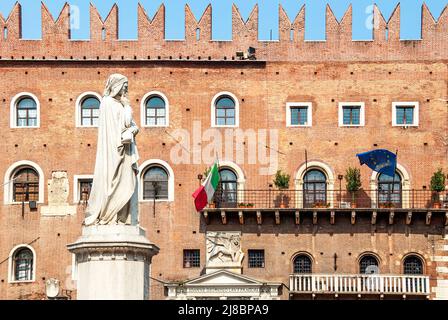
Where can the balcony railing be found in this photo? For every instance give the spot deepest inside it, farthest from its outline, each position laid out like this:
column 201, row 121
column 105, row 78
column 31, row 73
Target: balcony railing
column 359, row 284
column 334, row 199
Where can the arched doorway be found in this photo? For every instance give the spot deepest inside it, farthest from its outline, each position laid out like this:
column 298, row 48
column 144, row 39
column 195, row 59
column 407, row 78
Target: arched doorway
column 226, row 196
column 314, row 189
column 390, row 191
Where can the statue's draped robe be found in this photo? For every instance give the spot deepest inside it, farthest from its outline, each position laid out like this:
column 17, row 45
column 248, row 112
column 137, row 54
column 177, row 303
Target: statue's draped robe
column 114, row 183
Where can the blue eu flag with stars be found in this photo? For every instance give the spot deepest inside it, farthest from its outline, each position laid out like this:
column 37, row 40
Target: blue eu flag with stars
column 380, row 160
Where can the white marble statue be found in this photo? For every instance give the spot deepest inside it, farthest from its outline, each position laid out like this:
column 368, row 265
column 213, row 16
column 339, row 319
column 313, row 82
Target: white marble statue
column 113, row 198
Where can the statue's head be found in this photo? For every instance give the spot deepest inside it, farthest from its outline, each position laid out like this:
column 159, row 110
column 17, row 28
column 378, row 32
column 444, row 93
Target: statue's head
column 116, row 86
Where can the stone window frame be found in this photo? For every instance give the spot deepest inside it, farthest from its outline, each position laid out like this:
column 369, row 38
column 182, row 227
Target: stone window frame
column 8, row 192
column 302, row 253
column 142, row 169
column 416, row 255
column 321, row 166
column 213, row 110
column 414, row 104
column 365, row 254
column 362, row 114
column 13, row 110
column 78, row 106
column 405, row 187
column 308, row 105
column 11, row 264
column 76, row 179
column 145, row 99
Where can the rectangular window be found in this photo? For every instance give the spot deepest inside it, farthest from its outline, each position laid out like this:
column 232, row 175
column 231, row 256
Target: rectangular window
column 192, row 258
column 298, row 114
column 256, row 258
column 351, row 114
column 405, row 113
column 84, row 188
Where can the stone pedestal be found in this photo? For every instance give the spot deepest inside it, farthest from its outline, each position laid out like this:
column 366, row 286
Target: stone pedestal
column 113, row 263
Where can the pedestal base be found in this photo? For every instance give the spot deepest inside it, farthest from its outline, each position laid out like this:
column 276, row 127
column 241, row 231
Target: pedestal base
column 113, row 263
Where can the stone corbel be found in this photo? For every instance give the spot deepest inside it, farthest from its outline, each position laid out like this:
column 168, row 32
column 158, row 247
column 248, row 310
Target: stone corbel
column 428, row 218
column 409, row 218
column 297, row 217
column 332, row 217
column 277, row 217
column 241, row 217
column 223, row 217
column 446, row 219
column 259, row 218
column 374, row 214
column 314, row 217
column 353, row 217
column 391, row 217
column 206, row 218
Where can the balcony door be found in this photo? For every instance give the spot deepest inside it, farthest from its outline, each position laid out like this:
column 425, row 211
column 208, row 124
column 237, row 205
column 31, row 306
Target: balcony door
column 389, row 191
column 314, row 189
column 226, row 194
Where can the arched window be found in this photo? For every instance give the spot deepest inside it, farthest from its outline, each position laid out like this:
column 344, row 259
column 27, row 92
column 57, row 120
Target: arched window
column 314, row 189
column 25, row 185
column 5, row 33
column 23, row 265
column 368, row 264
column 389, row 191
column 155, row 183
column 412, row 265
column 225, row 111
column 90, row 111
column 26, row 112
column 302, row 264
column 155, row 111
column 226, row 194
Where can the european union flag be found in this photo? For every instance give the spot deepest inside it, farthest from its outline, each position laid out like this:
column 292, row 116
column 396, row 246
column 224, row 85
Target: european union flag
column 380, row 160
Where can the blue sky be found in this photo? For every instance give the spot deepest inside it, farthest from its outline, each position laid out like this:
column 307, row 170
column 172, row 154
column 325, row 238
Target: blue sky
column 268, row 21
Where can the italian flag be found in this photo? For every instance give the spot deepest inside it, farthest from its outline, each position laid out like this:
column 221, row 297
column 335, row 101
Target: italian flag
column 205, row 192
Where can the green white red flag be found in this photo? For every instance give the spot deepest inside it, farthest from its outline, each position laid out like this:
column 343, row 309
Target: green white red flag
column 204, row 194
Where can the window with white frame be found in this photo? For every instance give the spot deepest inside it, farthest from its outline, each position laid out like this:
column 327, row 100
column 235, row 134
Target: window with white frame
column 90, row 112
column 156, row 181
column 351, row 114
column 405, row 114
column 82, row 187
column 22, row 264
column 299, row 114
column 88, row 109
column 155, row 110
column 25, row 111
column 225, row 110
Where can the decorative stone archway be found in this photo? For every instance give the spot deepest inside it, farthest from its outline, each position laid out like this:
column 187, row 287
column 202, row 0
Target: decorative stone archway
column 299, row 180
column 405, row 187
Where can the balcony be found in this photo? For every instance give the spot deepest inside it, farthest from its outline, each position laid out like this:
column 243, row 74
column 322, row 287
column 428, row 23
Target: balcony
column 330, row 199
column 359, row 284
column 244, row 203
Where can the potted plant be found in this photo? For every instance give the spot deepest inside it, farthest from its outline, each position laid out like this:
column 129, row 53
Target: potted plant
column 250, row 205
column 281, row 181
column 437, row 186
column 242, row 205
column 353, row 182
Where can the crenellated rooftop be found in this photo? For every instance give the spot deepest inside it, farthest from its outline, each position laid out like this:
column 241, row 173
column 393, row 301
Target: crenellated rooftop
column 104, row 44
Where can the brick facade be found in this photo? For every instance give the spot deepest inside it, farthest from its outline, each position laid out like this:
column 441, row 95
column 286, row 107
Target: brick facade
column 190, row 73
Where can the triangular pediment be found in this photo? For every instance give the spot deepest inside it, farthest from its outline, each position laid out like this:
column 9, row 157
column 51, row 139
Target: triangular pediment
column 222, row 277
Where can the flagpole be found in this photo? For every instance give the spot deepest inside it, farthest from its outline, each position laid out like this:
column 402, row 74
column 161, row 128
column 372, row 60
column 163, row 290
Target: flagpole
column 393, row 178
column 305, row 179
